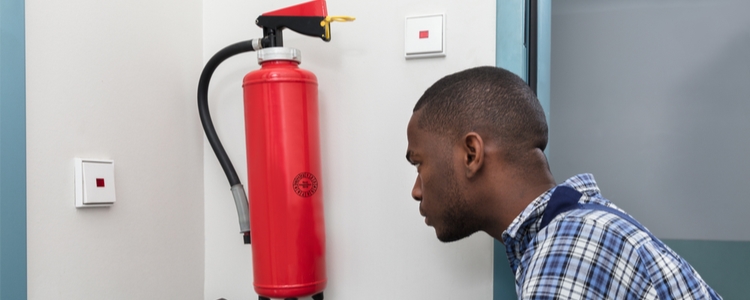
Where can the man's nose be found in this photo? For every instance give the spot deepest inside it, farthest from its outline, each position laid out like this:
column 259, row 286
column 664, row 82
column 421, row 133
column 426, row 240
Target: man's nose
column 416, row 191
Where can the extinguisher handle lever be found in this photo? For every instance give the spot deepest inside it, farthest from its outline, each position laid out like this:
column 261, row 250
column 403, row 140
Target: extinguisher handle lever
column 315, row 26
column 273, row 25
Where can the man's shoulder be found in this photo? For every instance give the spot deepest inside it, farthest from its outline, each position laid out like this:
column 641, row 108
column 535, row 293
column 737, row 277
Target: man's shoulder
column 593, row 226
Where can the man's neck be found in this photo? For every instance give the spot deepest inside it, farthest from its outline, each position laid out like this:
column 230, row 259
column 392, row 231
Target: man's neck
column 513, row 198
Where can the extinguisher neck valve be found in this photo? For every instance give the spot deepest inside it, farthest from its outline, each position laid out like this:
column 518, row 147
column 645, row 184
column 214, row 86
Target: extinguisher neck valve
column 279, row 53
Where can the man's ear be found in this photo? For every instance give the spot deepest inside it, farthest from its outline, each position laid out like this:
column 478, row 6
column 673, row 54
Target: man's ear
column 473, row 159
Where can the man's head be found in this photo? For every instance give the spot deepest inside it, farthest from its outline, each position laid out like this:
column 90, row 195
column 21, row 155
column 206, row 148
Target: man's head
column 473, row 135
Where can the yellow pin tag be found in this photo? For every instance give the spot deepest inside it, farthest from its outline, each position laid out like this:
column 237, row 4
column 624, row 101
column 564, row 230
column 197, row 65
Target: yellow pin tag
column 330, row 19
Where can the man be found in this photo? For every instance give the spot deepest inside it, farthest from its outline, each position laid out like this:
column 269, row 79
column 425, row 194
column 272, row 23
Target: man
column 477, row 139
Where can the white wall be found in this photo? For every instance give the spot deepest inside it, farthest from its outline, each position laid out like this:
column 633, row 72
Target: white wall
column 378, row 245
column 115, row 79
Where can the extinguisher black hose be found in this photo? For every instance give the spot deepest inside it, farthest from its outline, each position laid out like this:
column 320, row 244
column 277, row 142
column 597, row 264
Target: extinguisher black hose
column 238, row 191
column 205, row 115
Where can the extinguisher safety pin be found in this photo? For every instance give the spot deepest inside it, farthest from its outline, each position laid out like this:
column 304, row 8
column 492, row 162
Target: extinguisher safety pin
column 330, row 19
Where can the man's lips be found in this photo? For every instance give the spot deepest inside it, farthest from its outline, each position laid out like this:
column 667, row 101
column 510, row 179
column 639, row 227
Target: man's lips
column 421, row 212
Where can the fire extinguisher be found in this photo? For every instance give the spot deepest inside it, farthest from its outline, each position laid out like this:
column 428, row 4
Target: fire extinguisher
column 285, row 209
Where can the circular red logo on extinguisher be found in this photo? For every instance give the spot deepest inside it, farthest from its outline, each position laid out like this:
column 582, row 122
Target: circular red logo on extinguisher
column 305, row 184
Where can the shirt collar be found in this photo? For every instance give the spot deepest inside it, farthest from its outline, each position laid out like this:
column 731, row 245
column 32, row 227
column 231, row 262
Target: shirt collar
column 526, row 225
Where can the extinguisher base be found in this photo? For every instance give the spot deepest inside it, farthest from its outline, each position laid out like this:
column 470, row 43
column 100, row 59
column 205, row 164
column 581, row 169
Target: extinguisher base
column 318, row 296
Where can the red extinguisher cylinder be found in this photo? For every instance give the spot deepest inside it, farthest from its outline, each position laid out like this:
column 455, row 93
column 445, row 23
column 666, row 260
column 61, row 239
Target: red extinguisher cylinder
column 285, row 184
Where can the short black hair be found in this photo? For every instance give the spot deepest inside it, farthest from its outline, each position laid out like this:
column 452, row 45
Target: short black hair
column 489, row 100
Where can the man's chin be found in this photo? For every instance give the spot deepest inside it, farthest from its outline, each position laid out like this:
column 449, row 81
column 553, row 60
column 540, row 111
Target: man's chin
column 448, row 237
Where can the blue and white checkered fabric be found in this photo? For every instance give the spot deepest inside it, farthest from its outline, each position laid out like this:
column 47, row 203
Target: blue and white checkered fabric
column 593, row 254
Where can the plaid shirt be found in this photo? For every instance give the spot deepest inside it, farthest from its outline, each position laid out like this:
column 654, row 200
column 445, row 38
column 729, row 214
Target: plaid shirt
column 593, row 254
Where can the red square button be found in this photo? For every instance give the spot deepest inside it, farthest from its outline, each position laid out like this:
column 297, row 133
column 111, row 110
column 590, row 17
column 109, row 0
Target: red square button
column 100, row 182
column 423, row 34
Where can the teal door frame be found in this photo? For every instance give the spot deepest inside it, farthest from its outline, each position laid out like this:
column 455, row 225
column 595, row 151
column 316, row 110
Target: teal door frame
column 511, row 54
column 13, row 281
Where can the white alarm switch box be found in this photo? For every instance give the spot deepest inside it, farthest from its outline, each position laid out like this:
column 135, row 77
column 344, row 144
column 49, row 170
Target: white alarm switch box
column 95, row 182
column 425, row 36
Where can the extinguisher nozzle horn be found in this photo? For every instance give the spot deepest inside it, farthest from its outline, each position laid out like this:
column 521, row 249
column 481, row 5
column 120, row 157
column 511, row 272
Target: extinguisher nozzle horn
column 243, row 212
